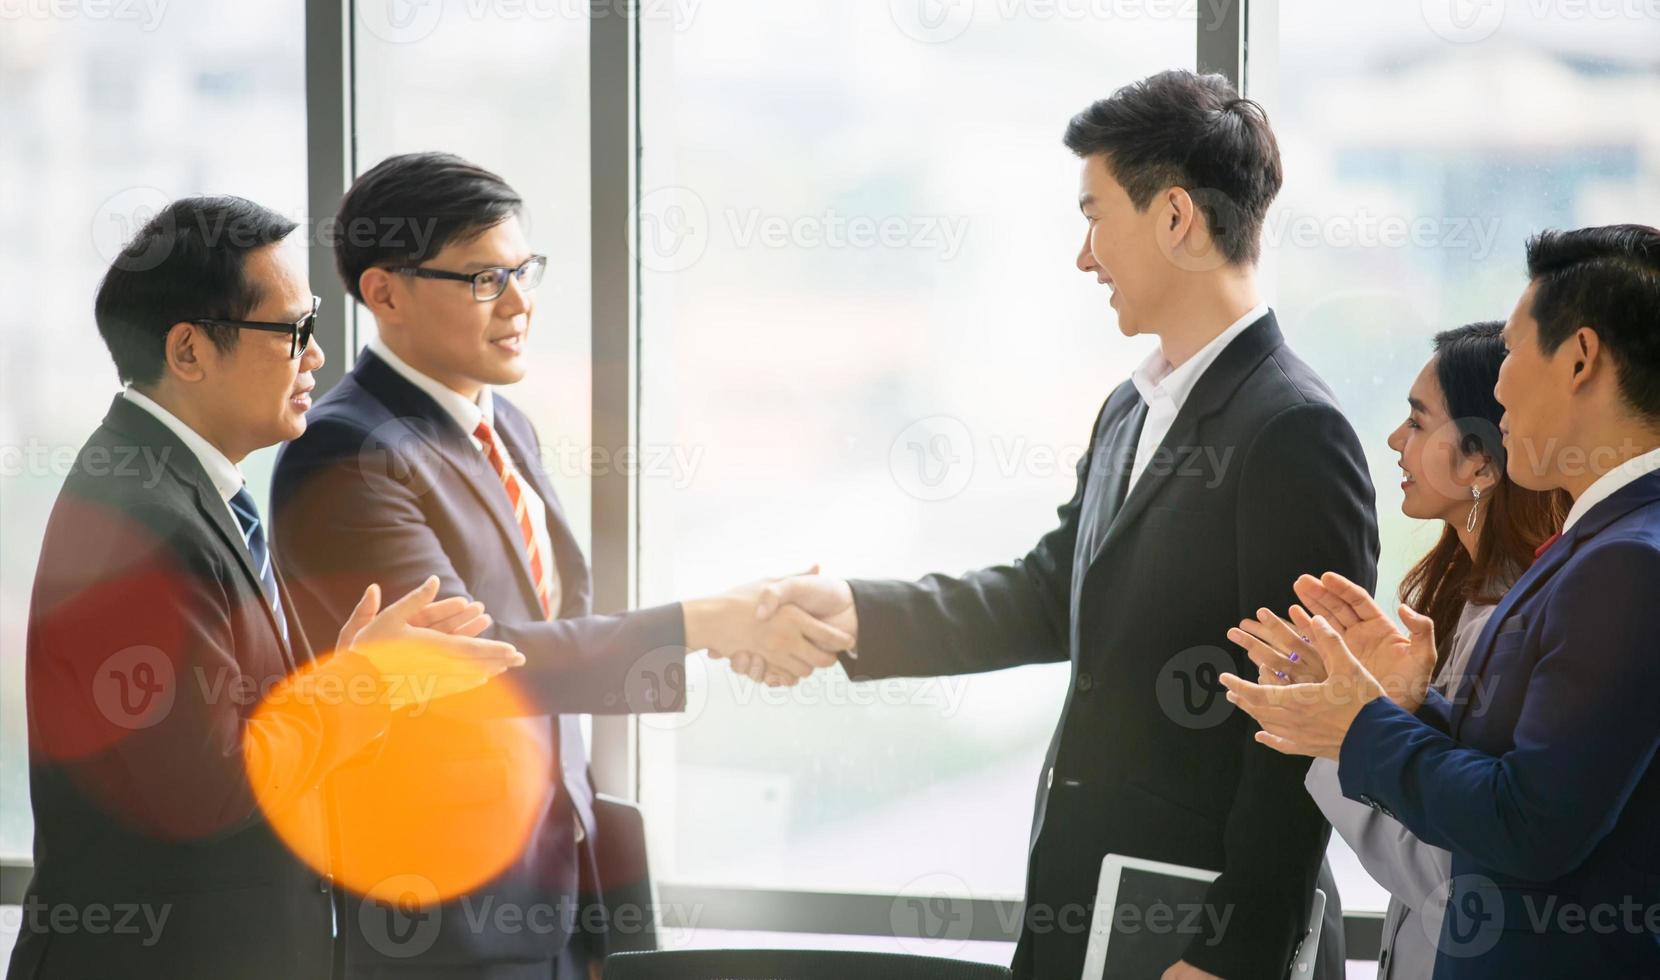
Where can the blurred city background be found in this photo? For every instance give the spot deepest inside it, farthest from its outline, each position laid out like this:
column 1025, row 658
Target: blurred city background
column 863, row 340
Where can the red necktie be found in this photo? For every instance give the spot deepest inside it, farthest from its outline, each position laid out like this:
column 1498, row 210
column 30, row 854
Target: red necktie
column 1539, row 552
column 521, row 513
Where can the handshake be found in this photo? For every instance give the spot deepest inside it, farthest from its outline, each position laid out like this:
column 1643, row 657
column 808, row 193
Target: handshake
column 776, row 631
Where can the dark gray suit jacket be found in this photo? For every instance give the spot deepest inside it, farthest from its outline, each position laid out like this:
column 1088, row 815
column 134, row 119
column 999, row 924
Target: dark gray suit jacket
column 150, row 646
column 1260, row 479
column 385, row 487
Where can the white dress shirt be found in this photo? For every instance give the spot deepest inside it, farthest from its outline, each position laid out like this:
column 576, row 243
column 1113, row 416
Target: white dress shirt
column 1610, row 483
column 467, row 414
column 1165, row 389
column 226, row 477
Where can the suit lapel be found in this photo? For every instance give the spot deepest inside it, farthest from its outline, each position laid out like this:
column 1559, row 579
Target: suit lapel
column 438, row 430
column 1210, row 394
column 1543, row 568
column 136, row 423
column 1643, row 490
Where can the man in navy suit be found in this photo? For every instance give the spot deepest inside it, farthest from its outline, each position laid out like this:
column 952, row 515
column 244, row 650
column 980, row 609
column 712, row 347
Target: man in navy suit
column 1540, row 775
column 414, row 462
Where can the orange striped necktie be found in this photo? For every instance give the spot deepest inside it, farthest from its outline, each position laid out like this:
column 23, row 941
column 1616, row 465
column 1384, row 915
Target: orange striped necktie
column 521, row 513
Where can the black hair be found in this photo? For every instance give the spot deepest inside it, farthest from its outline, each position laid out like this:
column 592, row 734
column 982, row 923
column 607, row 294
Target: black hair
column 1514, row 520
column 1180, row 129
column 409, row 207
column 1606, row 278
column 188, row 261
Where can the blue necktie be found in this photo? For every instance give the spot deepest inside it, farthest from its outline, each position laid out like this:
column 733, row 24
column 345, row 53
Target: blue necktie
column 247, row 515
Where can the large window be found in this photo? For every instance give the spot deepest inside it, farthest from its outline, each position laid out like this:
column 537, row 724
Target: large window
column 864, row 342
column 109, row 112
column 1422, row 145
column 504, row 85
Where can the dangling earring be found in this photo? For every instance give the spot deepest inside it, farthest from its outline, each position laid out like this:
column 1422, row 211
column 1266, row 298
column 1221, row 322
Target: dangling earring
column 1470, row 525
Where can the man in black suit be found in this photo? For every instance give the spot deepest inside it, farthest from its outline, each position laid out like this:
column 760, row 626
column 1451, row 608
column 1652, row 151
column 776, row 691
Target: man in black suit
column 157, row 623
column 415, row 461
column 1196, row 465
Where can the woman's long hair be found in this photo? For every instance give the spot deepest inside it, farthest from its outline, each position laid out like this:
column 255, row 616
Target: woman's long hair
column 1514, row 521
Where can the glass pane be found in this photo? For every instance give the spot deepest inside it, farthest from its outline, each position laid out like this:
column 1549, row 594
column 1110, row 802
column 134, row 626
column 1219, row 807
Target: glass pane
column 858, row 227
column 504, row 85
column 110, row 112
column 1423, row 143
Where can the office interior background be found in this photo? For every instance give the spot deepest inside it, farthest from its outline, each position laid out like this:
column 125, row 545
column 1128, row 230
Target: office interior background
column 811, row 265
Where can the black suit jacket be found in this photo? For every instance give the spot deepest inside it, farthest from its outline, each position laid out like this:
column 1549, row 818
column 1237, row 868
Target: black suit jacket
column 1259, row 480
column 385, row 487
column 150, row 644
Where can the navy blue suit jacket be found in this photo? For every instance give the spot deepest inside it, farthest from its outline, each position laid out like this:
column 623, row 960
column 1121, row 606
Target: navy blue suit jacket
column 385, row 487
column 1540, row 776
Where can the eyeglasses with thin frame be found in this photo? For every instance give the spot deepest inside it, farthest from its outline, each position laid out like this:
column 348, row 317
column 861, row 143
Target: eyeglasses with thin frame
column 299, row 332
column 488, row 284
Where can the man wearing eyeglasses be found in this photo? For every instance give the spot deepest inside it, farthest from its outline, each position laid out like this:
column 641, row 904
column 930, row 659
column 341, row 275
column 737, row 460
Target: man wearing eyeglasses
column 415, row 460
column 158, row 621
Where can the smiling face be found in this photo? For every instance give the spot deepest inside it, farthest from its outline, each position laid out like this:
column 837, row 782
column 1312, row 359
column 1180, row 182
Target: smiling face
column 1536, row 390
column 254, row 394
column 1122, row 246
column 1438, row 474
column 437, row 326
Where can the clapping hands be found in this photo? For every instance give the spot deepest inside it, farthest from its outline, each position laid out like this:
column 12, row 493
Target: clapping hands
column 1316, row 671
column 426, row 649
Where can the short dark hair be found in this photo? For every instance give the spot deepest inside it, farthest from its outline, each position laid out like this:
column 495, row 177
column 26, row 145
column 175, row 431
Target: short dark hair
column 188, row 261
column 1180, row 129
column 409, row 207
column 1606, row 278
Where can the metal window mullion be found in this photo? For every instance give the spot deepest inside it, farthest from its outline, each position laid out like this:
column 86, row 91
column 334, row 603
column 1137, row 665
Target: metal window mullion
column 613, row 127
column 330, row 163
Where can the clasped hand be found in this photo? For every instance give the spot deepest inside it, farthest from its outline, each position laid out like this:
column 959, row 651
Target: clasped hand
column 776, row 631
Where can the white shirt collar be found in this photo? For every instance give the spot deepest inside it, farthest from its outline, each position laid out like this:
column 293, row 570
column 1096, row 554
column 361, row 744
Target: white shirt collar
column 1612, row 482
column 227, row 479
column 466, row 413
column 1156, row 379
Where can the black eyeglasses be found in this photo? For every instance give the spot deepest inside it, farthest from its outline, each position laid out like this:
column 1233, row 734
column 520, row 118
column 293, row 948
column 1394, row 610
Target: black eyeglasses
column 299, row 332
column 488, row 284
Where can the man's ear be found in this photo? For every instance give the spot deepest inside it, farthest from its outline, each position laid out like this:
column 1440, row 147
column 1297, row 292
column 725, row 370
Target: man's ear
column 1189, row 243
column 375, row 285
column 1588, row 355
column 184, row 350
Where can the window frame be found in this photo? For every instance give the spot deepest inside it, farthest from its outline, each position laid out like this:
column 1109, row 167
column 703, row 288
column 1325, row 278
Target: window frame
column 1223, row 46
